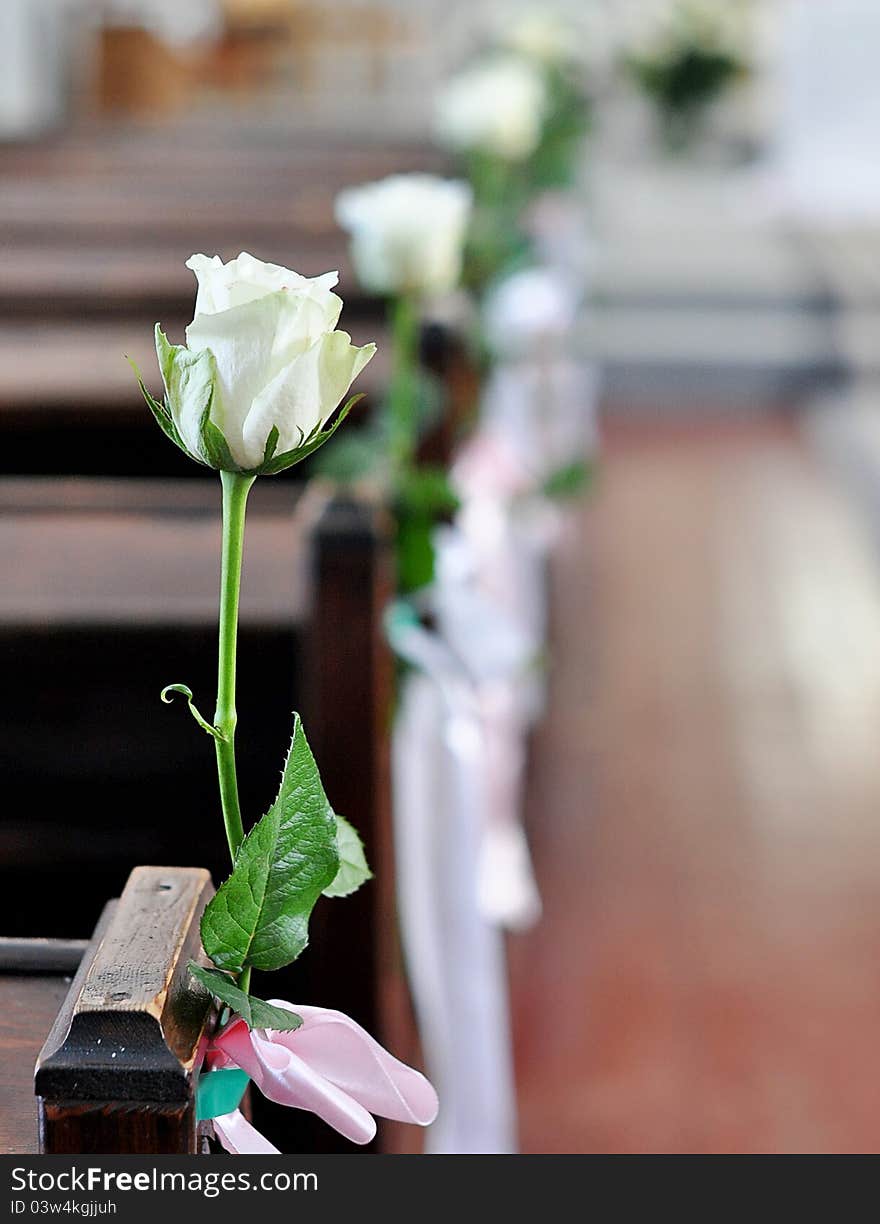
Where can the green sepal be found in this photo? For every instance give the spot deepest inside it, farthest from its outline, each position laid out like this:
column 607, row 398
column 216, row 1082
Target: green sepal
column 160, row 412
column 220, row 1092
column 353, row 870
column 256, row 1013
column 271, row 444
column 179, row 367
column 259, row 916
column 280, row 463
column 214, row 444
column 165, row 352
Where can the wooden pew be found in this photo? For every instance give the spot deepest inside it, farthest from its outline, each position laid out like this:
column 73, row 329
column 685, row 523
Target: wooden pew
column 117, row 579
column 95, row 231
column 69, row 402
column 109, row 594
column 34, row 979
column 84, row 282
column 218, row 185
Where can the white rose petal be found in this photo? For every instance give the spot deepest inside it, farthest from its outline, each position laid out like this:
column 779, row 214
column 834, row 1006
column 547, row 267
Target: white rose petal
column 304, row 394
column 301, row 414
column 245, row 279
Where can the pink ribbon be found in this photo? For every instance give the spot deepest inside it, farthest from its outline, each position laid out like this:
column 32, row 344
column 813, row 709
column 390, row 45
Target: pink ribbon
column 330, row 1066
column 240, row 1138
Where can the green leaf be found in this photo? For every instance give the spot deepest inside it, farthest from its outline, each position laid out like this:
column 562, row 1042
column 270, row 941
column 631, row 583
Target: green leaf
column 414, row 550
column 256, row 1013
column 260, row 914
column 567, row 481
column 353, row 870
column 282, row 462
column 426, row 490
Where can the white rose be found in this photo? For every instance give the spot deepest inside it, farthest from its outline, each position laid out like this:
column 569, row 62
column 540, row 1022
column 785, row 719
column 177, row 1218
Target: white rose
column 263, row 369
column 496, row 106
column 407, row 232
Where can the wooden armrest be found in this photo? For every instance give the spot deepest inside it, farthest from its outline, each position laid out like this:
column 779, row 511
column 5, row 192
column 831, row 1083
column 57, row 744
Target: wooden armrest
column 118, row 1070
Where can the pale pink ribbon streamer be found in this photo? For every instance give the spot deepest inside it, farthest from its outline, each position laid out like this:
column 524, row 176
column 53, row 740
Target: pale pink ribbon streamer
column 455, row 954
column 239, row 1138
column 498, row 643
column 329, row 1066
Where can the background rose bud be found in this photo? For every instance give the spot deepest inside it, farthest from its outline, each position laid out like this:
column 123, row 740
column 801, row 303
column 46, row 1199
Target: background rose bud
column 496, row 106
column 263, row 369
column 407, row 232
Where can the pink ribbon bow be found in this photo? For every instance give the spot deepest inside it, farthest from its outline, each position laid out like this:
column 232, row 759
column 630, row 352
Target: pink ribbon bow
column 330, row 1066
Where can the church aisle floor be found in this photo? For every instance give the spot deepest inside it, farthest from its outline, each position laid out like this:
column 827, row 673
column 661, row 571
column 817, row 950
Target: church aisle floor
column 705, row 810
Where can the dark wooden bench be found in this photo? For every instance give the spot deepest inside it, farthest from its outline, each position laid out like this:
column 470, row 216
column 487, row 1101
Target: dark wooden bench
column 111, row 584
column 109, row 594
column 69, row 402
column 35, row 977
column 84, row 281
column 216, row 186
column 119, row 1070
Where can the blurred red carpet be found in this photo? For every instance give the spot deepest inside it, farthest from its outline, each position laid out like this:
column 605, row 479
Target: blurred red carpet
column 705, row 811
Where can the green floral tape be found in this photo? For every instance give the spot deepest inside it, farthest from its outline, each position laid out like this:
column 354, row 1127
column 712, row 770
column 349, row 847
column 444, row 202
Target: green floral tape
column 399, row 616
column 219, row 1092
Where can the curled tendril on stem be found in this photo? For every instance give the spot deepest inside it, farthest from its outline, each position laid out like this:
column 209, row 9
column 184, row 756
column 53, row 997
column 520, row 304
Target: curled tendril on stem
column 213, row 731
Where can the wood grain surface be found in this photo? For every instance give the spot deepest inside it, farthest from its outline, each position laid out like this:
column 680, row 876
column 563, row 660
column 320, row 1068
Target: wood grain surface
column 28, row 1006
column 117, row 1073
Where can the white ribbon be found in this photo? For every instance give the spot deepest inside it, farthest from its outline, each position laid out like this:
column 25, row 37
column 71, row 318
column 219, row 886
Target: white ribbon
column 497, row 643
column 545, row 409
column 455, row 955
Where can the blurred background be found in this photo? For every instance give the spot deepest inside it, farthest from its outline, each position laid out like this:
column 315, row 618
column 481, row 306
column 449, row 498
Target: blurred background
column 702, row 789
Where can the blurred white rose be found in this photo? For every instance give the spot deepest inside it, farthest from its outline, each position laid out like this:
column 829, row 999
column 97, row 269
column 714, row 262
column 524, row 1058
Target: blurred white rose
column 407, row 232
column 263, row 369
column 496, row 106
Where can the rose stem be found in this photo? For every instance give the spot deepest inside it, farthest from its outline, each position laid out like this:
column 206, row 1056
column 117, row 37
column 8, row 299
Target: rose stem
column 402, row 406
column 235, row 492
